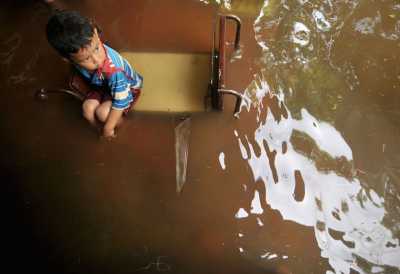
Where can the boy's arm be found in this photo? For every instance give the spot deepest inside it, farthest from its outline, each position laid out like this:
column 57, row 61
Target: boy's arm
column 112, row 121
column 120, row 90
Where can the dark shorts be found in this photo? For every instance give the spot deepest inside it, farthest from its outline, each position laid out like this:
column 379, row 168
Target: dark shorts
column 101, row 94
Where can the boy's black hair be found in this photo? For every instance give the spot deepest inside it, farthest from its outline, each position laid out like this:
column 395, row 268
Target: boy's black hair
column 69, row 31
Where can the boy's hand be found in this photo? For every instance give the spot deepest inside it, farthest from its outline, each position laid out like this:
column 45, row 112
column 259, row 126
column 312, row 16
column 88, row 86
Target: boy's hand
column 108, row 133
column 111, row 123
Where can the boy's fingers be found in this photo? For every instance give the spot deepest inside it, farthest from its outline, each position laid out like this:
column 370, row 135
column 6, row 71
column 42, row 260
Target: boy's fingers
column 110, row 137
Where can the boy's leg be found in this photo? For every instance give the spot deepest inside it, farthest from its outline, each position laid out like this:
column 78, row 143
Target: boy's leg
column 89, row 108
column 103, row 110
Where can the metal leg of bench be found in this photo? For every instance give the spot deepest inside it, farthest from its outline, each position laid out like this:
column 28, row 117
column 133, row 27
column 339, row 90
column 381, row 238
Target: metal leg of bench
column 239, row 98
column 43, row 93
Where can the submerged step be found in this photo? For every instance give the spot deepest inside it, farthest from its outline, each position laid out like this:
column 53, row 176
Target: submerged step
column 173, row 82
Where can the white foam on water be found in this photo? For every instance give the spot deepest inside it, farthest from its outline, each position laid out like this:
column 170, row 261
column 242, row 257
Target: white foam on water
column 259, row 222
column 241, row 213
column 367, row 25
column 320, row 21
column 300, row 34
column 242, row 150
column 361, row 223
column 272, row 256
column 221, row 159
column 256, row 205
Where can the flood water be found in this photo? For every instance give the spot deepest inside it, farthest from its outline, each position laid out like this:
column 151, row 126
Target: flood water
column 307, row 180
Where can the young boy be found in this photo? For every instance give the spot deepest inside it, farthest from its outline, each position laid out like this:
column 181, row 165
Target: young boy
column 76, row 38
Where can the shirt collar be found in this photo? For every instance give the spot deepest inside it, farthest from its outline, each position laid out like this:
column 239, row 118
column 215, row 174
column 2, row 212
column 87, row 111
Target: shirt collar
column 106, row 64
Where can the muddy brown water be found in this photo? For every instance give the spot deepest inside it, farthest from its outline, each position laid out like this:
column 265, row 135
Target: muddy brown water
column 306, row 181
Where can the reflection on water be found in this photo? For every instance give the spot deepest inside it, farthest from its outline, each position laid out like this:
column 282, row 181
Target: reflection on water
column 325, row 100
column 182, row 134
column 346, row 217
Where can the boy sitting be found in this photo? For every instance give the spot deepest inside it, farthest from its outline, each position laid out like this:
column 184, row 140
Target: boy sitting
column 76, row 39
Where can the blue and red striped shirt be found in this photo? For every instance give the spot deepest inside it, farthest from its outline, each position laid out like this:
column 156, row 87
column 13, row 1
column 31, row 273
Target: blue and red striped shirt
column 118, row 75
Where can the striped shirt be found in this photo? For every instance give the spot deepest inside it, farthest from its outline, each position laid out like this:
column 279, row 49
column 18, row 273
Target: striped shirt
column 118, row 75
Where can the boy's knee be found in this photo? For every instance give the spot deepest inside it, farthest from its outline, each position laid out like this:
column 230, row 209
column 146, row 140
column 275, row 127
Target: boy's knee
column 89, row 108
column 102, row 112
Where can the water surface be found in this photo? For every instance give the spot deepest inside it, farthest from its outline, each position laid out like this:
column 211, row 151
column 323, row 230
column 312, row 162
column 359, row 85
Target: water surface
column 323, row 147
column 305, row 181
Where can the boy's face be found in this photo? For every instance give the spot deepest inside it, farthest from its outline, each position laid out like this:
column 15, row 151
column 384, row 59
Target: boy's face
column 92, row 56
